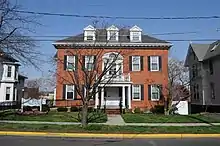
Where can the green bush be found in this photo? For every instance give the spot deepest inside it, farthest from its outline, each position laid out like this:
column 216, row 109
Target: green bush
column 137, row 110
column 45, row 108
column 90, row 109
column 62, row 109
column 74, row 109
column 158, row 109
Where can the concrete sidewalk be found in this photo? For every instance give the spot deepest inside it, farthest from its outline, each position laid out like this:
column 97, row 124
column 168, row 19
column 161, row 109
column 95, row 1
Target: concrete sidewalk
column 113, row 123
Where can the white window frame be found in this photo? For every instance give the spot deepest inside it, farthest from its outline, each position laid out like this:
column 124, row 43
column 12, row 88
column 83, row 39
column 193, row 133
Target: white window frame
column 90, row 61
column 133, row 87
column 135, row 34
column 74, row 62
column 110, row 37
column 90, row 33
column 67, row 91
column 151, row 62
column 133, row 63
column 158, row 93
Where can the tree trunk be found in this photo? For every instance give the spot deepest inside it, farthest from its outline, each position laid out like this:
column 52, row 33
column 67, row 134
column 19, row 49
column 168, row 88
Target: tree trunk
column 84, row 120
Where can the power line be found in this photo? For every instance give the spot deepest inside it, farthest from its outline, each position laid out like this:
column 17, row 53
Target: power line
column 117, row 17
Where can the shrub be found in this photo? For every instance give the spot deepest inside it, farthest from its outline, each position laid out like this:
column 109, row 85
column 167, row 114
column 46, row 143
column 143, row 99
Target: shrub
column 74, row 109
column 158, row 109
column 137, row 110
column 62, row 109
column 90, row 109
column 45, row 108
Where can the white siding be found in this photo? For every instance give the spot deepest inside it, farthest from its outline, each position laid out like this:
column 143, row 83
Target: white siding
column 3, row 91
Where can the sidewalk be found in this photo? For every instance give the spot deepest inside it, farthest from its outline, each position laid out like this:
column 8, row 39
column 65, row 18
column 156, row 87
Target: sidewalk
column 113, row 123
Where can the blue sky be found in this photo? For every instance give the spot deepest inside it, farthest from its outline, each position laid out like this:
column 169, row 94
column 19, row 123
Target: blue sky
column 62, row 26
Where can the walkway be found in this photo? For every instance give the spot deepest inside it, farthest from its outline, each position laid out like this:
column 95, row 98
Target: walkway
column 113, row 121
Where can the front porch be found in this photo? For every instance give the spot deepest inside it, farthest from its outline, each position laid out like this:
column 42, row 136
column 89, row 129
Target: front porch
column 111, row 95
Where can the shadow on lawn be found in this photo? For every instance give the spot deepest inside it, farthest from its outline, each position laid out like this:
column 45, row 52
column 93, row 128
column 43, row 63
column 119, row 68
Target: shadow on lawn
column 201, row 120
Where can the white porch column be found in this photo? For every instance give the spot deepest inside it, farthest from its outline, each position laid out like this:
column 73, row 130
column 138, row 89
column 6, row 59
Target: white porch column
column 129, row 97
column 102, row 97
column 96, row 98
column 123, row 96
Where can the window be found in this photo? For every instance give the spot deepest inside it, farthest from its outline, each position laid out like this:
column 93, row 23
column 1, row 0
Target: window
column 197, row 91
column 71, row 63
column 7, row 94
column 89, row 62
column 210, row 67
column 9, row 71
column 112, row 35
column 135, row 36
column 212, row 88
column 112, row 70
column 155, row 92
column 154, row 63
column 136, row 92
column 194, row 92
column 70, row 91
column 90, row 36
column 136, row 63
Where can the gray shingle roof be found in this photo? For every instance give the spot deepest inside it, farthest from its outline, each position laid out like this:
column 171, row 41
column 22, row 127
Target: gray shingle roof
column 101, row 36
column 215, row 52
column 200, row 50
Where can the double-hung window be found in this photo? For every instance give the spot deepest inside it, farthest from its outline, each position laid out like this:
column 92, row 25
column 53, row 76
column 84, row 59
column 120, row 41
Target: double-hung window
column 71, row 63
column 9, row 71
column 136, row 92
column 136, row 63
column 113, row 35
column 154, row 63
column 90, row 36
column 155, row 92
column 89, row 62
column 136, row 36
column 7, row 93
column 70, row 91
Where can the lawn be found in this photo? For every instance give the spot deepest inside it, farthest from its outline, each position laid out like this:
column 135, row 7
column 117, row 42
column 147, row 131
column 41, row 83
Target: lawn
column 53, row 117
column 109, row 129
column 155, row 118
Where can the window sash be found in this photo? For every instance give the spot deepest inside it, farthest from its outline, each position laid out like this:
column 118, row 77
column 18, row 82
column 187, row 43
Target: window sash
column 70, row 89
column 154, row 61
column 71, row 63
column 89, row 62
column 9, row 71
column 136, row 63
column 136, row 36
column 136, row 92
column 7, row 93
column 155, row 92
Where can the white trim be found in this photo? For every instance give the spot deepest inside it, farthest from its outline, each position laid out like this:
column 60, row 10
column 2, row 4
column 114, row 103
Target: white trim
column 89, row 27
column 139, row 93
column 158, row 67
column 73, row 92
column 135, row 28
column 158, row 93
column 113, row 44
column 139, row 63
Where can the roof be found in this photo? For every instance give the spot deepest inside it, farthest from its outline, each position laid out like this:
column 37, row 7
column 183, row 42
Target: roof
column 204, row 51
column 7, row 56
column 22, row 76
column 101, row 36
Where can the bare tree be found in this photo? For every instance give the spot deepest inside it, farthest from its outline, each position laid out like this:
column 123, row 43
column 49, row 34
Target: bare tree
column 178, row 87
column 91, row 72
column 13, row 26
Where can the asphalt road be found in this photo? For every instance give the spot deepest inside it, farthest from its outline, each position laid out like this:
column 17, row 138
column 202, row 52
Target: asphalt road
column 45, row 141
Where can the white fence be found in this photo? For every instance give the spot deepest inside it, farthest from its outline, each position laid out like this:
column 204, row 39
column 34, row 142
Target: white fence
column 182, row 107
column 32, row 102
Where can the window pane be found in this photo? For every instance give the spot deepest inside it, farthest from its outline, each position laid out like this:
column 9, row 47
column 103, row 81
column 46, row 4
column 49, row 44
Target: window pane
column 71, row 62
column 155, row 96
column 136, row 67
column 154, row 59
column 155, row 92
column 154, row 63
column 8, row 90
column 69, row 95
column 136, row 59
column 136, row 92
column 69, row 88
column 9, row 71
column 154, row 66
column 112, row 35
column 71, row 59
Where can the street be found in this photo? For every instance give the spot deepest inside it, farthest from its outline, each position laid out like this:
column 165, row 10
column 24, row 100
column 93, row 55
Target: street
column 46, row 141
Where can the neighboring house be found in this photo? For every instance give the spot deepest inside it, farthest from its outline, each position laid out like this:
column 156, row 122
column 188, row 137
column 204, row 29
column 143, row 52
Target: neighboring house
column 203, row 61
column 143, row 72
column 11, row 83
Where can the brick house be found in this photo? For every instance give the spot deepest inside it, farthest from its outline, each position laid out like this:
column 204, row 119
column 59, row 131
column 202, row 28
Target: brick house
column 144, row 62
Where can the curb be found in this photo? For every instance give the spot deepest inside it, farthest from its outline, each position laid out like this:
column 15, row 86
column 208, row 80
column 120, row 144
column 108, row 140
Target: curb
column 99, row 135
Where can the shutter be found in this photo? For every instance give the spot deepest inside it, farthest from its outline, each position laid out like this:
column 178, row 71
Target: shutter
column 83, row 63
column 148, row 60
column 95, row 63
column 160, row 63
column 75, row 93
column 131, row 92
column 65, row 61
column 149, row 92
column 130, row 63
column 142, row 63
column 161, row 92
column 76, row 62
column 64, row 92
column 142, row 92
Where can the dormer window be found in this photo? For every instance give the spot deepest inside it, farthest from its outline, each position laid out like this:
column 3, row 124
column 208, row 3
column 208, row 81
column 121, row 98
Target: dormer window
column 89, row 33
column 135, row 34
column 112, row 33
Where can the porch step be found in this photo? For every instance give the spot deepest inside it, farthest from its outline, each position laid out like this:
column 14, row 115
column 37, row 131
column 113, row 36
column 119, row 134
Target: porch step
column 113, row 111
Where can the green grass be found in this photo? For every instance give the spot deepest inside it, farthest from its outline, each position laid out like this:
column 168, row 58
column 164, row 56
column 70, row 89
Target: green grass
column 155, row 118
column 53, row 117
column 108, row 129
